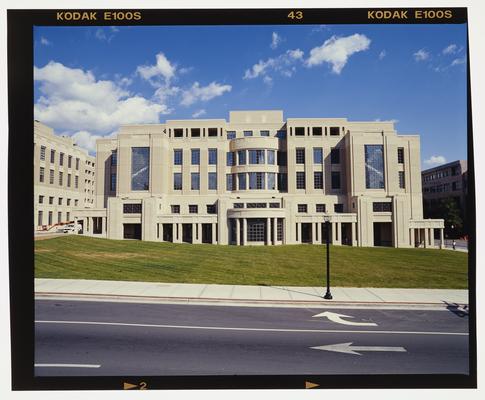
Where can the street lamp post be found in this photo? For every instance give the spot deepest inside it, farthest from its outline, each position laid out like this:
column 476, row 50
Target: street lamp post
column 328, row 295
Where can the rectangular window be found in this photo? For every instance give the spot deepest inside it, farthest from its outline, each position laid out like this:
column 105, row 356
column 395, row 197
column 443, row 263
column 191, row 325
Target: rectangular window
column 318, row 180
column 132, row 208
column 381, row 207
column 61, row 159
column 271, row 181
column 68, row 180
column 264, row 133
column 59, row 201
column 195, row 156
column 212, row 132
column 178, row 133
column 282, row 158
column 256, row 205
column 256, row 156
column 76, row 182
column 302, row 208
column 334, row 131
column 41, row 200
column 59, row 217
column 76, row 202
column 60, row 178
column 114, row 157
column 53, row 156
column 177, row 181
column 42, row 152
column 68, row 216
column 300, row 180
column 335, row 156
column 338, row 208
column 238, row 205
column 400, row 155
column 282, row 181
column 274, row 205
column 112, row 185
column 335, row 180
column 193, row 209
column 49, row 221
column 317, row 131
column 230, row 182
column 402, row 183
column 317, row 155
column 77, row 163
column 194, row 181
column 241, row 155
column 374, row 166
column 51, row 177
column 211, row 209
column 279, row 229
column 69, row 202
column 242, row 181
column 230, row 159
column 320, row 208
column 51, row 200
column 256, row 180
column 175, row 208
column 195, row 132
column 212, row 156
column 271, row 157
column 140, row 168
column 231, row 134
column 256, row 229
column 212, row 180
column 299, row 131
column 248, row 133
column 178, row 156
column 300, row 155
column 69, row 161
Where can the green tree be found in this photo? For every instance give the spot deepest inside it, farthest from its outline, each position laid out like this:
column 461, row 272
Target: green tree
column 449, row 210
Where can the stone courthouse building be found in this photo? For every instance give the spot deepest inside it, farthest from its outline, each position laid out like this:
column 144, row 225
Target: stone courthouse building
column 260, row 180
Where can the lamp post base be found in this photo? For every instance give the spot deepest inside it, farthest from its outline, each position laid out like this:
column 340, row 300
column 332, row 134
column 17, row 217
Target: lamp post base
column 328, row 296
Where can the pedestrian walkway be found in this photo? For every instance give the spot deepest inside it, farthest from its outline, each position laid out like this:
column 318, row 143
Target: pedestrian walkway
column 244, row 294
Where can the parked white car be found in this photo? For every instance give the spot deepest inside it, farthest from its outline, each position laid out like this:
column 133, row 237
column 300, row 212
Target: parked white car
column 72, row 228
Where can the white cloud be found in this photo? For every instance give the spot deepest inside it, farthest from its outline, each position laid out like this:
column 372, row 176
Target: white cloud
column 435, row 160
column 163, row 69
column 451, row 49
column 421, row 55
column 87, row 140
column 382, row 54
column 275, row 40
column 72, row 99
column 44, row 41
column 268, row 80
column 284, row 64
column 106, row 34
column 337, row 50
column 458, row 61
column 198, row 113
column 203, row 93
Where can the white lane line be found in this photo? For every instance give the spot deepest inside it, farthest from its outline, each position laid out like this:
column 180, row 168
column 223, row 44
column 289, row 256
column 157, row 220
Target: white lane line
column 223, row 328
column 68, row 365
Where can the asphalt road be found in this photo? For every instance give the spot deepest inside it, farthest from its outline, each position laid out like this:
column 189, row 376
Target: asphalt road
column 84, row 338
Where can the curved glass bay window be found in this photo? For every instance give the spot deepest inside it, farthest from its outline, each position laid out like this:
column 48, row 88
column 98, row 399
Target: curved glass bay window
column 374, row 166
column 256, row 180
column 140, row 168
column 256, row 156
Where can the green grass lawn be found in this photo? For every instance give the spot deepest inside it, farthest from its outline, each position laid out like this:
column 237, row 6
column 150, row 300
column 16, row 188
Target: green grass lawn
column 79, row 257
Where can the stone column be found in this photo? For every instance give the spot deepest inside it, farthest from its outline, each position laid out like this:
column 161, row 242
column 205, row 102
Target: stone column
column 275, row 228
column 178, row 233
column 431, row 237
column 268, row 231
column 245, row 232
column 334, row 232
column 339, row 230
column 354, row 234
column 314, row 232
column 238, row 232
column 442, row 238
column 214, row 228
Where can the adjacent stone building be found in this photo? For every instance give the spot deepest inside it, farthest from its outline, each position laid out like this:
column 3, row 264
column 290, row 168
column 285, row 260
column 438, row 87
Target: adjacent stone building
column 258, row 179
column 64, row 178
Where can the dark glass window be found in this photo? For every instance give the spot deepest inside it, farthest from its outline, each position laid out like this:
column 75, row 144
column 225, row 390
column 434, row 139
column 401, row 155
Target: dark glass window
column 195, row 156
column 242, row 181
column 281, row 134
column 256, row 205
column 53, row 156
column 178, row 157
column 241, row 155
column 374, row 166
column 195, row 181
column 317, row 131
column 193, row 209
column 178, row 133
column 271, row 157
column 61, row 158
column 211, row 132
column 140, row 168
column 175, row 209
column 300, row 180
column 69, row 161
column 77, row 163
column 51, row 176
column 177, row 181
column 282, row 182
column 299, row 131
column 317, row 155
column 238, row 205
column 300, row 156
column 334, row 131
column 195, row 132
column 230, row 182
column 42, row 152
column 282, row 158
column 382, row 207
column 400, row 155
column 264, row 133
column 60, row 178
column 112, row 185
column 231, row 135
column 211, row 209
column 114, row 157
column 271, row 181
column 132, row 208
column 248, row 133
column 338, row 208
column 230, row 161
column 302, row 208
column 402, row 183
column 256, row 180
column 256, row 229
column 274, row 205
column 320, row 208
column 212, row 180
column 335, row 156
column 318, row 180
column 335, row 180
column 212, row 156
column 256, row 156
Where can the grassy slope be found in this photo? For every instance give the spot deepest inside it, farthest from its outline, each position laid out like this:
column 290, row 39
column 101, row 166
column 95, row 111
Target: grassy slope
column 79, row 257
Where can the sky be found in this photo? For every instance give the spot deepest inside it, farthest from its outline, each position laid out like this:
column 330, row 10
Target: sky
column 90, row 80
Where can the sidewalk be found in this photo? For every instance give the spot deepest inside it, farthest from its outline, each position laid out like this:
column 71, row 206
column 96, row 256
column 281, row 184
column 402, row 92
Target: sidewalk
column 77, row 289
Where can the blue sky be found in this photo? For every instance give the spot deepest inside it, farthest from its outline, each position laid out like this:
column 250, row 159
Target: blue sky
column 89, row 80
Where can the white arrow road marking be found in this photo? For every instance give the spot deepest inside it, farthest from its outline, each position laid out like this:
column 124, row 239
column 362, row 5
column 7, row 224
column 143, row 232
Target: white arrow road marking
column 349, row 349
column 68, row 365
column 334, row 317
